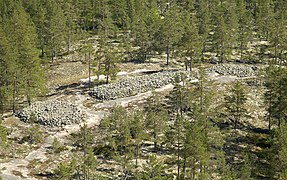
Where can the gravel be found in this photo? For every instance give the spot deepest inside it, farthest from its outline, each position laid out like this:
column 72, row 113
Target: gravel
column 52, row 113
column 135, row 85
column 234, row 70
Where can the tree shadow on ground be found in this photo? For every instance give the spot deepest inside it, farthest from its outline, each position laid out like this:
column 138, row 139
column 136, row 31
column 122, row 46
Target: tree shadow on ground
column 250, row 140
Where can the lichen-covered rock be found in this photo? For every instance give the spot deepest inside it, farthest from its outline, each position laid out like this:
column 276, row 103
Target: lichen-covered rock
column 135, row 85
column 52, row 113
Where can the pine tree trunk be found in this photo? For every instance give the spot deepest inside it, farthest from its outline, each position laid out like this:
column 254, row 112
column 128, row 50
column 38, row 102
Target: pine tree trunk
column 42, row 44
column 52, row 54
column 193, row 169
column 178, row 153
column 184, row 165
column 29, row 99
column 222, row 52
column 269, row 113
column 241, row 51
column 203, row 50
column 93, row 24
column 1, row 106
column 84, row 147
column 14, row 94
column 107, row 79
column 89, row 69
column 167, row 55
column 69, row 43
column 190, row 64
column 137, row 154
column 237, row 110
column 155, row 141
column 275, row 53
column 108, row 74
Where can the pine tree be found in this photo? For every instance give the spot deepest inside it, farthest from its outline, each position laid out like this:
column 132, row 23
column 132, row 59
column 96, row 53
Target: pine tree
column 56, row 28
column 264, row 18
column 222, row 38
column 280, row 149
column 279, row 107
column 271, row 76
column 88, row 51
column 277, row 32
column 106, row 23
column 156, row 120
column 64, row 171
column 153, row 170
column 203, row 14
column 6, row 8
column 28, row 77
column 191, row 42
column 245, row 171
column 234, row 102
column 195, row 149
column 275, row 95
column 106, row 58
column 203, row 141
column 119, row 11
column 3, row 136
column 179, row 106
column 89, row 164
column 117, row 135
column 39, row 20
column 138, row 132
column 171, row 30
column 84, row 140
column 70, row 14
column 7, row 63
column 85, row 13
column 35, row 134
column 146, row 28
column 244, row 27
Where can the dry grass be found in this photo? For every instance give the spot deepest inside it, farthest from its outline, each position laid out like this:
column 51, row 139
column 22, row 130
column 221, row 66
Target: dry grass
column 66, row 73
column 11, row 121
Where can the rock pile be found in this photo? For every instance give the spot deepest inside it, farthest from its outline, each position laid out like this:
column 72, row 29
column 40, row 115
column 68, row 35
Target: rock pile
column 52, row 113
column 135, row 85
column 234, row 70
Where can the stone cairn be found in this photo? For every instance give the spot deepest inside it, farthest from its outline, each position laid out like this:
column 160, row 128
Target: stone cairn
column 52, row 113
column 135, row 85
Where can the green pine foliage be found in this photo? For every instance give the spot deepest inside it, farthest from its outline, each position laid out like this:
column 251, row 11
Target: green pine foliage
column 3, row 136
column 28, row 76
column 171, row 30
column 234, row 103
column 34, row 135
column 7, row 61
column 35, row 34
column 153, row 169
column 245, row 171
column 191, row 42
column 275, row 94
column 156, row 122
column 107, row 58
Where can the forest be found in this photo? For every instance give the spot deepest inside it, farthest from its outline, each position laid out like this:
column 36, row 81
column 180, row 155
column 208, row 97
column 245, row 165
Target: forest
column 143, row 89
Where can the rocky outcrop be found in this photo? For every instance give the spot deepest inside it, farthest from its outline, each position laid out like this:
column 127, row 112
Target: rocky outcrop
column 52, row 113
